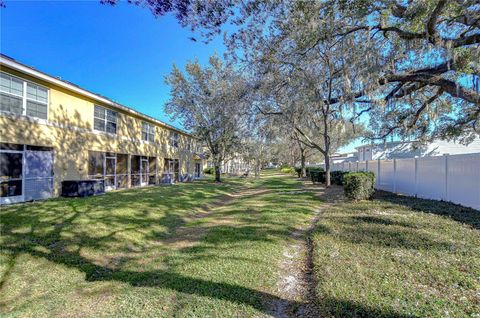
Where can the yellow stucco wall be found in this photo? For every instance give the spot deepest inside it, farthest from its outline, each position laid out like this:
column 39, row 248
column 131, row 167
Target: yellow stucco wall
column 69, row 130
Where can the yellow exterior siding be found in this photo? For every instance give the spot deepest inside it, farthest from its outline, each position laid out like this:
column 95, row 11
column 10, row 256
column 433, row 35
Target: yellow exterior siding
column 69, row 131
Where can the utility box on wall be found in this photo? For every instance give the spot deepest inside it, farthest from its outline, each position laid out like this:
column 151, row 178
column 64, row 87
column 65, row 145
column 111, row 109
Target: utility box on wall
column 82, row 188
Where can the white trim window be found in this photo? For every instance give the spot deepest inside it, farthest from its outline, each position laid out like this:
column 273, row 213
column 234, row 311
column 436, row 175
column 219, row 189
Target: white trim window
column 148, row 132
column 105, row 120
column 174, row 136
column 23, row 98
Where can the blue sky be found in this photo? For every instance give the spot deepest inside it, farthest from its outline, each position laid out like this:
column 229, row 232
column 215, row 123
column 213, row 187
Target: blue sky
column 121, row 52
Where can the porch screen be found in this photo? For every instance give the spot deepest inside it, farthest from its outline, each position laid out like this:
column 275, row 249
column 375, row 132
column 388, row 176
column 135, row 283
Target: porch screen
column 38, row 174
column 152, row 170
column 122, row 171
column 135, row 171
column 10, row 174
column 96, row 161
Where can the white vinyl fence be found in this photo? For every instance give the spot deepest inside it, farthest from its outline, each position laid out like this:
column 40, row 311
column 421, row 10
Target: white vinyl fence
column 454, row 178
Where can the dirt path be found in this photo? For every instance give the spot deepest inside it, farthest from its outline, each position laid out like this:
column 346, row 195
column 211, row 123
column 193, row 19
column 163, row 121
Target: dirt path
column 187, row 236
column 297, row 282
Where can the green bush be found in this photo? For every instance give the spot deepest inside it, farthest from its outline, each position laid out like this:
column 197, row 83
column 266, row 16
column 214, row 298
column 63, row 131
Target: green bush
column 313, row 169
column 287, row 169
column 298, row 170
column 209, row 170
column 317, row 176
column 336, row 177
column 308, row 170
column 359, row 185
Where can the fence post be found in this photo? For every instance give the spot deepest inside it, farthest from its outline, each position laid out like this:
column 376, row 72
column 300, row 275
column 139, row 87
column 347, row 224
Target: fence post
column 446, row 176
column 416, row 176
column 366, row 165
column 394, row 175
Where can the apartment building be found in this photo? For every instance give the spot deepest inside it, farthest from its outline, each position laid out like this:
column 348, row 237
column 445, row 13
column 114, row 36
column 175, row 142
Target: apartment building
column 52, row 130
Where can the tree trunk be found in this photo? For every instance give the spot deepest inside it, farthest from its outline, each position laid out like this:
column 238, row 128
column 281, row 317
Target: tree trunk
column 302, row 163
column 327, row 170
column 217, row 173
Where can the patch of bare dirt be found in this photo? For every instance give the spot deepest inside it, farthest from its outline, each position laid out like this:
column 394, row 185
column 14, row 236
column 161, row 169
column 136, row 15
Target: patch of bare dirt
column 297, row 283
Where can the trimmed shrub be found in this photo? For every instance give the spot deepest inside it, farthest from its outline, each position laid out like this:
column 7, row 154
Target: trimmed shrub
column 209, row 170
column 317, row 176
column 336, row 177
column 309, row 170
column 359, row 185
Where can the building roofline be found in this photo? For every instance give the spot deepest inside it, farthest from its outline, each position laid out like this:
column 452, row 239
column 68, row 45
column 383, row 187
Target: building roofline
column 388, row 143
column 12, row 63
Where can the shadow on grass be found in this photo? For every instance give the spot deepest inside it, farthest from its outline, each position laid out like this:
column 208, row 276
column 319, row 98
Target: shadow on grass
column 333, row 307
column 60, row 230
column 456, row 212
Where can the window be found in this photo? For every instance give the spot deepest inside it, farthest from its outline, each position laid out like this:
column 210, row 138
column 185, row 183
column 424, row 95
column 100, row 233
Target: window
column 174, row 139
column 148, row 132
column 105, row 120
column 22, row 98
column 36, row 101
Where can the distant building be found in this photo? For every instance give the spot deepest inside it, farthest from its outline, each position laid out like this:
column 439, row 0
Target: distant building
column 411, row 149
column 343, row 157
column 232, row 166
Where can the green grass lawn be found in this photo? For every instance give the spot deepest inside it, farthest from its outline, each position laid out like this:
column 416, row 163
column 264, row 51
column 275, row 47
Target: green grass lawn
column 398, row 257
column 146, row 252
column 209, row 250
